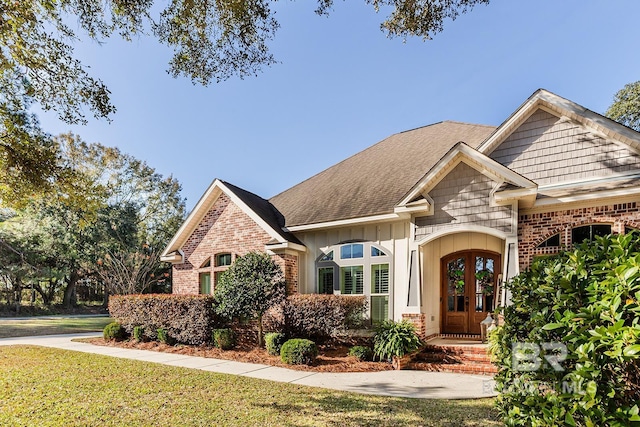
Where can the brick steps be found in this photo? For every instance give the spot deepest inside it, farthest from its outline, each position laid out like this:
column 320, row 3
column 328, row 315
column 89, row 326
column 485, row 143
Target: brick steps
column 466, row 359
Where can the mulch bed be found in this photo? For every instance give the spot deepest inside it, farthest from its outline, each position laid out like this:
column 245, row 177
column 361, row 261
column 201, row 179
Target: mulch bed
column 330, row 358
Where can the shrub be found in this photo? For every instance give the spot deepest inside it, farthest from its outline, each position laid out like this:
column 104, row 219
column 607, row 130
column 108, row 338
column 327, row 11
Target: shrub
column 361, row 352
column 138, row 333
column 273, row 342
column 299, row 351
column 323, row 316
column 587, row 301
column 395, row 339
column 114, row 331
column 164, row 337
column 252, row 285
column 188, row 319
column 223, row 338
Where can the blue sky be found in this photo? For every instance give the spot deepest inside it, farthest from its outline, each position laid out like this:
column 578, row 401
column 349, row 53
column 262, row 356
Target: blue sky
column 342, row 86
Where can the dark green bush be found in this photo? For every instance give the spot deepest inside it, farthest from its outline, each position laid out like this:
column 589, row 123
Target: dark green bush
column 138, row 333
column 188, row 319
column 321, row 317
column 361, row 352
column 395, row 339
column 114, row 331
column 273, row 342
column 163, row 336
column 223, row 338
column 299, row 351
column 587, row 299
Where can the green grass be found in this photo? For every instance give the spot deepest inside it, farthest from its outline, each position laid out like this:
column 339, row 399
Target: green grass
column 39, row 326
column 51, row 387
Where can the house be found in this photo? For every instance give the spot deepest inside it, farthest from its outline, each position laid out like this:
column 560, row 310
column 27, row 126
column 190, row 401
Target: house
column 429, row 223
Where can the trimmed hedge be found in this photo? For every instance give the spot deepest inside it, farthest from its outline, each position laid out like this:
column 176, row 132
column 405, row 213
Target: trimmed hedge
column 223, row 338
column 361, row 352
column 323, row 316
column 114, row 331
column 273, row 342
column 189, row 319
column 299, row 351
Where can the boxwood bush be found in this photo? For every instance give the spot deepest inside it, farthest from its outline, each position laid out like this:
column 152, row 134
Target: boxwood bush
column 320, row 317
column 223, row 338
column 299, row 351
column 362, row 352
column 114, row 331
column 188, row 319
column 587, row 301
column 273, row 342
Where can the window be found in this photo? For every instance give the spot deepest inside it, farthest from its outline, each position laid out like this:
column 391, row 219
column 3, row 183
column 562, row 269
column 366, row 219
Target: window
column 380, row 279
column 205, row 283
column 327, row 257
column 352, row 280
column 223, row 260
column 551, row 241
column 629, row 230
column 355, row 250
column 361, row 268
column 206, row 263
column 325, row 280
column 589, row 232
column 216, row 277
column 377, row 252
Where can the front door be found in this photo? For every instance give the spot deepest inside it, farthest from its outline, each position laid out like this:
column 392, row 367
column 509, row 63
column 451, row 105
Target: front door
column 469, row 279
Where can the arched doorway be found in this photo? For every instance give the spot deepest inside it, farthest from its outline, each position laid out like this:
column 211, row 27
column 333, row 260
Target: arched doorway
column 468, row 285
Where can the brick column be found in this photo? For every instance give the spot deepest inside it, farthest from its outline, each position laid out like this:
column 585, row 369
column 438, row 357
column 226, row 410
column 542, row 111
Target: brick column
column 289, row 265
column 419, row 321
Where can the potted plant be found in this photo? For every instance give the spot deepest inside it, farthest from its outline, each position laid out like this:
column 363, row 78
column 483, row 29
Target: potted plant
column 396, row 341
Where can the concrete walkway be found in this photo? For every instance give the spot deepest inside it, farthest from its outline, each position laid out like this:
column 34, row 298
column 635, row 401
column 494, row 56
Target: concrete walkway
column 417, row 384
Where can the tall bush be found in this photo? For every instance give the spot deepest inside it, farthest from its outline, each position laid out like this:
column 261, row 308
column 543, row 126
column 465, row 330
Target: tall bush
column 188, row 319
column 252, row 285
column 584, row 301
column 322, row 316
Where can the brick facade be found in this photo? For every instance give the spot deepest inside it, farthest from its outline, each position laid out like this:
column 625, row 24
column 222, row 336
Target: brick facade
column 419, row 320
column 225, row 229
column 534, row 229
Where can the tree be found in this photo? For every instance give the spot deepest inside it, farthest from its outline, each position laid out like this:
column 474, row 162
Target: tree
column 109, row 223
column 252, row 285
column 626, row 106
column 212, row 41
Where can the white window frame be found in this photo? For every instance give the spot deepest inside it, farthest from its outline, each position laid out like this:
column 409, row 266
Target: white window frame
column 366, row 262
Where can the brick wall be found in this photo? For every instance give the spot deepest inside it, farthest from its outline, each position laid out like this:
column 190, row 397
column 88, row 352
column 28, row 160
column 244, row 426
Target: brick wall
column 534, row 229
column 224, row 229
column 419, row 321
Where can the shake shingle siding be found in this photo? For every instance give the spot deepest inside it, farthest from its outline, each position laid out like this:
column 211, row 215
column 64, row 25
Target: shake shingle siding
column 548, row 149
column 462, row 197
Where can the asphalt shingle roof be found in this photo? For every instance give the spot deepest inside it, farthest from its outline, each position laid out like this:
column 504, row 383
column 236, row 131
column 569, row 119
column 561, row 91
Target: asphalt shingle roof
column 373, row 181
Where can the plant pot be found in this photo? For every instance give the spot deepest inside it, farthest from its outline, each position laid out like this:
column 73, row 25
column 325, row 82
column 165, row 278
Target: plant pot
column 400, row 363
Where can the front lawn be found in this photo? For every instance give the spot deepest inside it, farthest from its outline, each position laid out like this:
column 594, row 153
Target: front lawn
column 48, row 326
column 50, row 387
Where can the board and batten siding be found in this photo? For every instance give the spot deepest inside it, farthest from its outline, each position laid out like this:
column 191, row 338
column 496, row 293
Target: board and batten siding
column 392, row 236
column 548, row 149
column 462, row 197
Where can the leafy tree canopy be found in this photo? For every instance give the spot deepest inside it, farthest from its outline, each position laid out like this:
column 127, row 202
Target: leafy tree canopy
column 252, row 285
column 212, row 40
column 626, row 106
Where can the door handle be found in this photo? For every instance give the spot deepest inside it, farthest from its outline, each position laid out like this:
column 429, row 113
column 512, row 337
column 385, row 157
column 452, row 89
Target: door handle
column 466, row 300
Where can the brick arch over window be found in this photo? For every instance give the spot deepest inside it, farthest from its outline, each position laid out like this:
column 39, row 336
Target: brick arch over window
column 535, row 228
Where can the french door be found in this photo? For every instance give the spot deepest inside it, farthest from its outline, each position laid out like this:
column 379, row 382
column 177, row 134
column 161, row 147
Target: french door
column 469, row 280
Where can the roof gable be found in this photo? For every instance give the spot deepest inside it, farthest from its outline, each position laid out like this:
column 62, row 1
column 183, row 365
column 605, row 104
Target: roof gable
column 563, row 108
column 258, row 209
column 515, row 184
